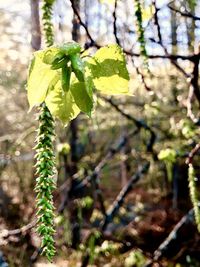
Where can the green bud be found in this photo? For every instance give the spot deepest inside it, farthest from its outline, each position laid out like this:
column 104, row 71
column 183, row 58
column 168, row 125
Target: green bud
column 70, row 48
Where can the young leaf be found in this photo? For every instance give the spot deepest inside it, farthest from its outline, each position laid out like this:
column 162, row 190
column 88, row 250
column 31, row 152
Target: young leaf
column 77, row 67
column 66, row 75
column 70, row 48
column 58, row 64
column 61, row 104
column 82, row 93
column 51, row 54
column 109, row 72
column 40, row 79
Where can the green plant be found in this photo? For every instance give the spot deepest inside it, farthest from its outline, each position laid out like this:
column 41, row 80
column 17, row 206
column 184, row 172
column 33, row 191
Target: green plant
column 140, row 31
column 168, row 155
column 194, row 194
column 62, row 81
column 45, row 183
column 45, row 166
column 65, row 79
column 47, row 24
column 135, row 258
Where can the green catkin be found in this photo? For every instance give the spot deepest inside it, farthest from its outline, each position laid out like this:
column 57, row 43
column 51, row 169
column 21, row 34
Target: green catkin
column 194, row 194
column 46, row 21
column 45, row 160
column 140, row 30
column 45, row 184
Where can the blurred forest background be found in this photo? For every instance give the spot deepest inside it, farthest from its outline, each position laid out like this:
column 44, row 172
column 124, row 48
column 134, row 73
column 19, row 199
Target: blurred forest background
column 122, row 174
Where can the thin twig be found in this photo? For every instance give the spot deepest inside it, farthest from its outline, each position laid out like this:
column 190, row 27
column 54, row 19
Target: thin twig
column 115, row 207
column 5, row 234
column 122, row 194
column 115, row 23
column 93, row 43
column 97, row 170
column 173, row 58
column 192, row 153
column 183, row 14
column 140, row 124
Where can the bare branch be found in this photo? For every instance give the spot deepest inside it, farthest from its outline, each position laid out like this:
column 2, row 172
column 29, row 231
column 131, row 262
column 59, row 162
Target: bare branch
column 122, row 194
column 139, row 124
column 192, row 153
column 187, row 15
column 115, row 23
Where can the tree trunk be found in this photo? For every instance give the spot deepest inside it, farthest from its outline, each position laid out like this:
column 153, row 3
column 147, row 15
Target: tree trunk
column 35, row 25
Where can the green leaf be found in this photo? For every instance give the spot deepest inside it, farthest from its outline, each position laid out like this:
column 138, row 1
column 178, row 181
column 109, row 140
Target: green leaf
column 31, row 66
column 59, row 64
column 51, row 54
column 82, row 93
column 61, row 104
column 70, row 48
column 167, row 154
column 109, row 72
column 66, row 75
column 41, row 79
column 78, row 67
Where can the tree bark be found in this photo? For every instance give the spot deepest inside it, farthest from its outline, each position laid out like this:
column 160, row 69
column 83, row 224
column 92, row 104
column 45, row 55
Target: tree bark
column 35, row 25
